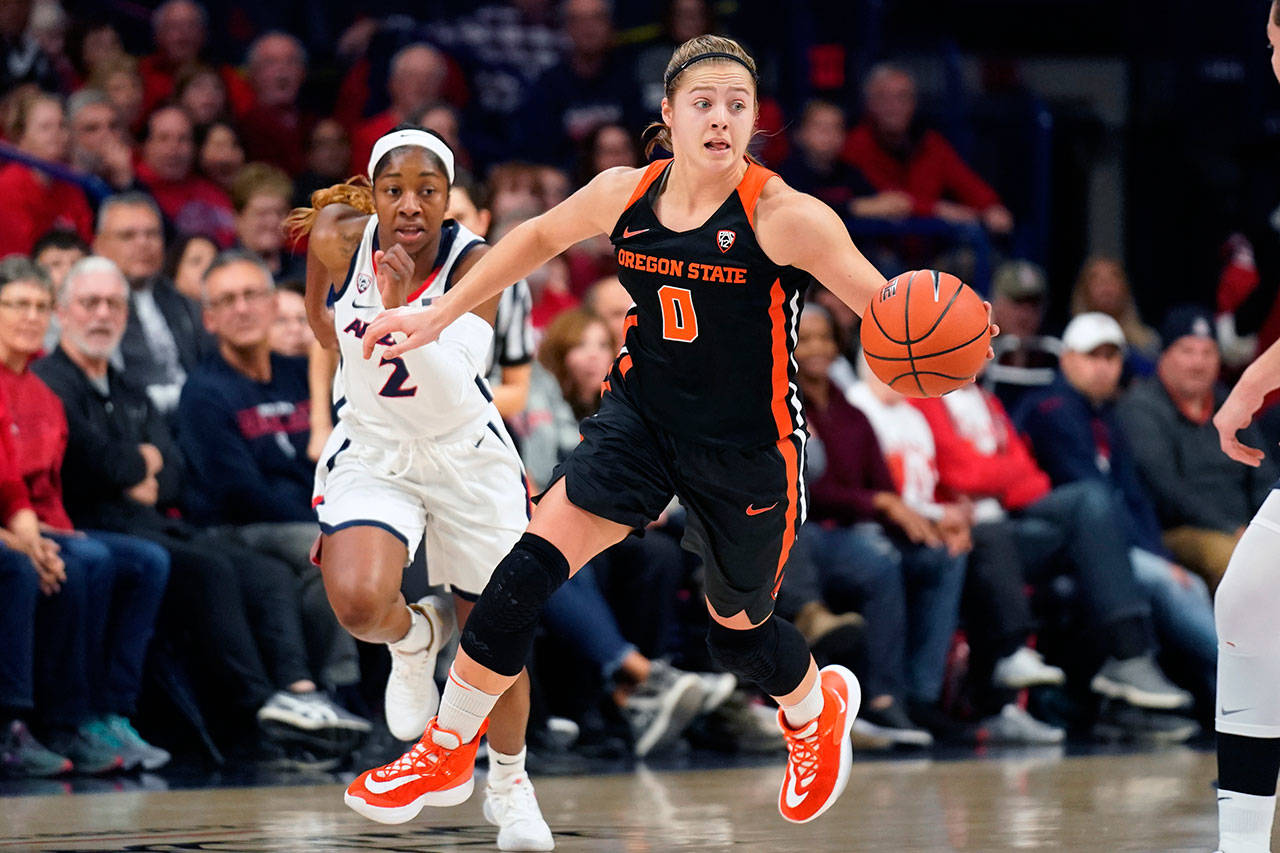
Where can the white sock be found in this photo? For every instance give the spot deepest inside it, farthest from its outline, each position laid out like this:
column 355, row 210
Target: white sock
column 1244, row 822
column 505, row 769
column 463, row 707
column 417, row 638
column 807, row 709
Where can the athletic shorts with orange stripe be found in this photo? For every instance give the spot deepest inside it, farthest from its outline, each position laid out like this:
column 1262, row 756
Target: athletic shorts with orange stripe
column 744, row 505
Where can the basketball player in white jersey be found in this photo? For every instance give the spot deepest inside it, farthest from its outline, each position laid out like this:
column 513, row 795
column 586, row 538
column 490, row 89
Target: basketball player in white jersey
column 419, row 448
column 1246, row 604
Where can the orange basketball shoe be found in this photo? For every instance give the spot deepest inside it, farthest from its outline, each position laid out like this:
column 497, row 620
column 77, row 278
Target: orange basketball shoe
column 438, row 771
column 821, row 755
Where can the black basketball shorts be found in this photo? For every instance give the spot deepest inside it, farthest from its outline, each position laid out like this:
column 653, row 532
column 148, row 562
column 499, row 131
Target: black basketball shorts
column 744, row 506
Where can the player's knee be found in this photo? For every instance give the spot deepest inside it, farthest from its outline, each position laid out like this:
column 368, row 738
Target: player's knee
column 773, row 655
column 1246, row 600
column 359, row 606
column 499, row 631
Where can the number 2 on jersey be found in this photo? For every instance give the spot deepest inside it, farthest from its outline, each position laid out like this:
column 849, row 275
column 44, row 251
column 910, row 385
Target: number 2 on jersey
column 394, row 386
column 679, row 322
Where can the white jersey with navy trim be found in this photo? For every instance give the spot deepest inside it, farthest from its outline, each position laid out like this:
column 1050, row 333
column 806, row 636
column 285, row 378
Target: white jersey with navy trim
column 430, row 392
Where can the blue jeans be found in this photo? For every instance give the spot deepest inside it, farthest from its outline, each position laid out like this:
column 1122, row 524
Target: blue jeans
column 1080, row 521
column 578, row 613
column 1183, row 615
column 42, row 641
column 19, row 597
column 126, row 579
column 910, row 596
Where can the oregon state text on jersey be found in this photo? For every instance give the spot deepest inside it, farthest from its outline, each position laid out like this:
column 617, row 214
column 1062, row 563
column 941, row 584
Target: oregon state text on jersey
column 405, row 397
column 709, row 343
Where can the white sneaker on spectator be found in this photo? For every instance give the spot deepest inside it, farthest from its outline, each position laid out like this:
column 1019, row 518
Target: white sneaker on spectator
column 1026, row 668
column 1014, row 725
column 412, row 697
column 312, row 719
column 563, row 731
column 516, row 814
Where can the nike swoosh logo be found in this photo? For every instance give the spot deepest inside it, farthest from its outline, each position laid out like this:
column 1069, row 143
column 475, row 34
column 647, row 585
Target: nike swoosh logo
column 752, row 510
column 355, row 304
column 792, row 796
column 1227, row 713
column 627, row 233
column 376, row 787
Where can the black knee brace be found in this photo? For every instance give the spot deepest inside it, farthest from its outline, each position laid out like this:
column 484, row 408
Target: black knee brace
column 499, row 631
column 773, row 655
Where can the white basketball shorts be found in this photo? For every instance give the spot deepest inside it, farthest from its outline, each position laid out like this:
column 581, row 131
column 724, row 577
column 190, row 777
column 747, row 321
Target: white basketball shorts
column 466, row 498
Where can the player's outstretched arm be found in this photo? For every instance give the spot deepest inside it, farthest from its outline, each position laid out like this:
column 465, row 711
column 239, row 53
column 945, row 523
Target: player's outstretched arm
column 1258, row 380
column 796, row 229
column 592, row 210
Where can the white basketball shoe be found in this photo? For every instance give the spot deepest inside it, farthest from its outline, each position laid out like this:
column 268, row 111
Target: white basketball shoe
column 412, row 696
column 514, row 810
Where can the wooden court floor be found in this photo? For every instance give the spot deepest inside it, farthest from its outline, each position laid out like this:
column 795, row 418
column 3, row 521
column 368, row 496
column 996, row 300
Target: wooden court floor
column 1025, row 800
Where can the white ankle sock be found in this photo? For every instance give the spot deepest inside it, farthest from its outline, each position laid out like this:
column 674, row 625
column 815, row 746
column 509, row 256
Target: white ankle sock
column 1244, row 822
column 417, row 638
column 463, row 707
column 505, row 769
column 807, row 709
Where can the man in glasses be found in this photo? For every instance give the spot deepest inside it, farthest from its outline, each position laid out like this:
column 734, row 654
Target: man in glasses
column 164, row 339
column 237, row 607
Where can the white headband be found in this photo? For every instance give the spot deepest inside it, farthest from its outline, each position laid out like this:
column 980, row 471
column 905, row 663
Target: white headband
column 420, row 138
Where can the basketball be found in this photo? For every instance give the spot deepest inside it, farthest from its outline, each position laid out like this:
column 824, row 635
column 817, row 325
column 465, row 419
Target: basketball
column 926, row 333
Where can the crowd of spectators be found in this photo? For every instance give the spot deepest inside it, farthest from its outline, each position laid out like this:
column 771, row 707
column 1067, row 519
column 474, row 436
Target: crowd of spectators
column 1025, row 557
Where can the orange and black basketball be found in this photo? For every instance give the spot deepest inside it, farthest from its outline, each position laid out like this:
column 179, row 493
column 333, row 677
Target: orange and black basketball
column 925, row 333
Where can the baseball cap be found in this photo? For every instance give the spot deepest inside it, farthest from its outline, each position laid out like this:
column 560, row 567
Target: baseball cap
column 1019, row 280
column 1186, row 321
column 1086, row 332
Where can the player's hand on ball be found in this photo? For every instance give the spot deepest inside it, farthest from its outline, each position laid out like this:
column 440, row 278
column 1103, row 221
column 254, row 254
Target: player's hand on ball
column 420, row 326
column 995, row 330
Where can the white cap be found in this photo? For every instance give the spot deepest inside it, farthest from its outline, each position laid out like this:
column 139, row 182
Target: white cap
column 420, row 138
column 1086, row 332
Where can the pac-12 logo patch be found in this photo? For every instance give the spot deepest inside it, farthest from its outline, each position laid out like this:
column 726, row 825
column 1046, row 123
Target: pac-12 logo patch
column 725, row 238
column 362, row 282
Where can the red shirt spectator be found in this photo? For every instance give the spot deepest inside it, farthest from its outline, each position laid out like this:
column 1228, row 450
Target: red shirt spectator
column 275, row 130
column 894, row 154
column 159, row 79
column 39, row 431
column 34, row 202
column 195, row 205
column 180, row 29
column 414, row 82
column 979, row 453
column 13, row 491
column 928, row 170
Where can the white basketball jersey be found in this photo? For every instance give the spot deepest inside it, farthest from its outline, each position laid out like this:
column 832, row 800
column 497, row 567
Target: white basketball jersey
column 411, row 396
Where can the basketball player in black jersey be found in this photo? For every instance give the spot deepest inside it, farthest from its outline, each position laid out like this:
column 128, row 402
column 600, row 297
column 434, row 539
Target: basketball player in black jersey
column 715, row 251
column 1245, row 605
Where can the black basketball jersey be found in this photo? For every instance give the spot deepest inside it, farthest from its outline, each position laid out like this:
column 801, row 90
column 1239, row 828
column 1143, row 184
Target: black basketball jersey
column 708, row 349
